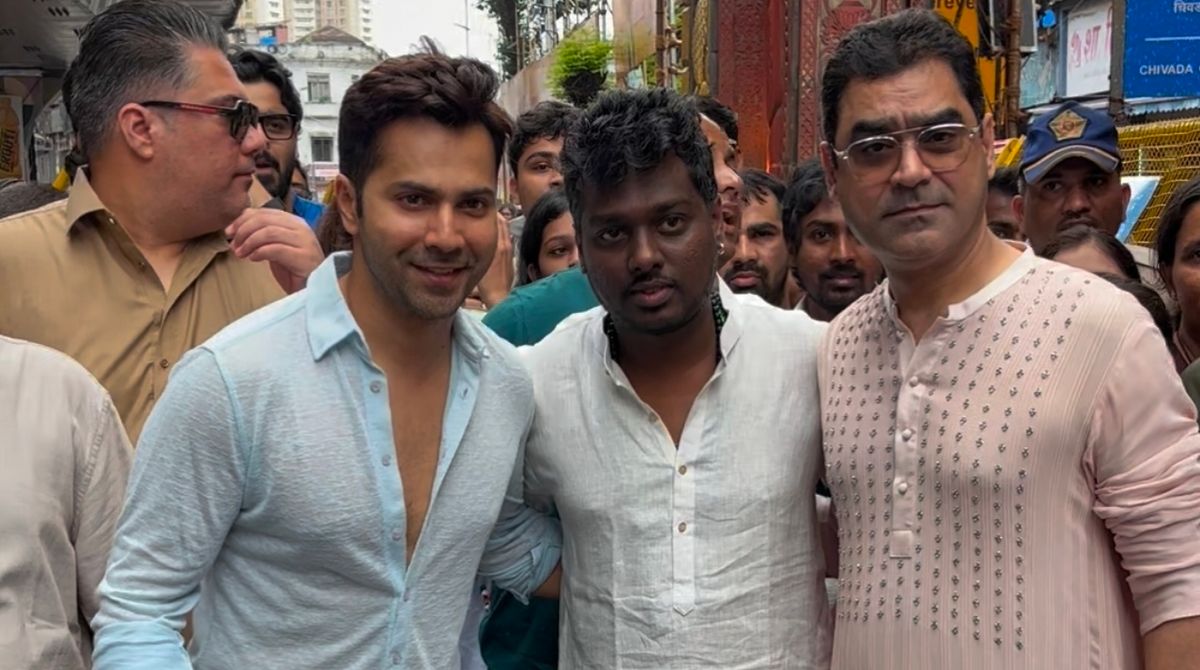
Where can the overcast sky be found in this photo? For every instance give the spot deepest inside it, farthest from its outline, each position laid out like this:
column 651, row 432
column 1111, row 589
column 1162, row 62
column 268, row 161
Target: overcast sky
column 399, row 24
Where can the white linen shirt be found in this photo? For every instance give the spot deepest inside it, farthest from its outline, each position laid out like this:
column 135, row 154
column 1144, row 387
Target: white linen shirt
column 702, row 556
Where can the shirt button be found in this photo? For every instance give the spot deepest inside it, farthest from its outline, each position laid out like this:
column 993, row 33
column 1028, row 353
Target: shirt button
column 396, row 537
column 683, row 469
column 651, row 417
column 158, row 318
column 376, row 387
column 907, row 434
column 683, row 526
column 902, row 488
column 386, row 460
column 395, row 658
column 913, row 381
column 407, row 596
column 164, row 364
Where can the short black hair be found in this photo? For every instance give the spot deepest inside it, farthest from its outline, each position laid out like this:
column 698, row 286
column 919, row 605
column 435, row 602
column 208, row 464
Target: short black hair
column 625, row 133
column 549, row 207
column 721, row 115
column 805, row 191
column 1006, row 182
column 18, row 197
column 1170, row 223
column 1080, row 235
column 1150, row 299
column 760, row 184
column 127, row 51
column 253, row 66
column 891, row 45
column 549, row 120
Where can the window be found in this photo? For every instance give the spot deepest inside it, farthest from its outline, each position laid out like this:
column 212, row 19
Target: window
column 322, row 149
column 318, row 88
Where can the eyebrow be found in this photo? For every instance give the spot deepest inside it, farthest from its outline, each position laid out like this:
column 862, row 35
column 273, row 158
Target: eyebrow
column 759, row 225
column 872, row 127
column 228, row 100
column 478, row 192
column 540, row 154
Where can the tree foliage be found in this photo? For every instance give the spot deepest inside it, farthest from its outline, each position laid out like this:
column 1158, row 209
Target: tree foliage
column 580, row 68
column 524, row 23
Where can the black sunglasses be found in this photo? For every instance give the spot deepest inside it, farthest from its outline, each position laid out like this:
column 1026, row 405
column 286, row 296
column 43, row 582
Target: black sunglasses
column 241, row 116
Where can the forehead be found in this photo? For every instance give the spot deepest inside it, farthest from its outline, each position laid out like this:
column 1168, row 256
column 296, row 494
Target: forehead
column 212, row 77
column 426, row 152
column 827, row 212
column 265, row 96
column 1074, row 168
column 762, row 203
column 907, row 99
column 543, row 145
column 641, row 195
column 712, row 131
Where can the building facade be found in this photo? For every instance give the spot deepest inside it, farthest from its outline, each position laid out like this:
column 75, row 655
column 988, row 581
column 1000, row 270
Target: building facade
column 302, row 17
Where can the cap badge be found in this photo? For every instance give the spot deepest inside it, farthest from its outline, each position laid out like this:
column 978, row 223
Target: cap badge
column 1068, row 125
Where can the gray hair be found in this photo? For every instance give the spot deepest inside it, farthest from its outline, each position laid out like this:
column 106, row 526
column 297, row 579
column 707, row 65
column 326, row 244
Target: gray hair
column 130, row 49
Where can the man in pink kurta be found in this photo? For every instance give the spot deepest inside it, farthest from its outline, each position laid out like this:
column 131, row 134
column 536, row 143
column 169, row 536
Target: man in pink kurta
column 1014, row 466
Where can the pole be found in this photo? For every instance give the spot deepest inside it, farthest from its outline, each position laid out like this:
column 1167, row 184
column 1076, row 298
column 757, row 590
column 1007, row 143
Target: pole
column 1012, row 72
column 1116, row 91
column 714, row 63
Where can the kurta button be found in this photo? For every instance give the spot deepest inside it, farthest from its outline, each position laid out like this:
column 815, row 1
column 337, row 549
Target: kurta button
column 164, row 364
column 683, row 526
column 396, row 537
column 376, row 387
column 395, row 658
column 683, row 469
column 386, row 460
column 902, row 488
column 913, row 381
column 907, row 434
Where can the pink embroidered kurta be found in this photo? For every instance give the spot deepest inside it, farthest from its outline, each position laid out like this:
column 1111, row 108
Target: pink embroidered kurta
column 1018, row 490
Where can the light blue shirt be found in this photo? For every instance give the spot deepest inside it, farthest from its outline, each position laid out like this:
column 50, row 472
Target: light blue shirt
column 265, row 494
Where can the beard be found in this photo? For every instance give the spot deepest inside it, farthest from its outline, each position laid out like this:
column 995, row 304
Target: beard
column 279, row 186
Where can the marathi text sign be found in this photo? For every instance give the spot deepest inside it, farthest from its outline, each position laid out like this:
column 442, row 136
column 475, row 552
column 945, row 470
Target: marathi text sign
column 1088, row 49
column 1162, row 49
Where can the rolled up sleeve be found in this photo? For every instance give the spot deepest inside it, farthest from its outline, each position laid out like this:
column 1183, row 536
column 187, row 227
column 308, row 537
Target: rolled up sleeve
column 525, row 545
column 183, row 497
column 1144, row 454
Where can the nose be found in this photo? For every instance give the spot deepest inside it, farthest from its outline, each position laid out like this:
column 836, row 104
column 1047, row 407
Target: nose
column 842, row 249
column 1076, row 200
column 644, row 254
column 254, row 141
column 442, row 232
column 744, row 251
column 911, row 170
column 556, row 178
column 573, row 259
column 728, row 179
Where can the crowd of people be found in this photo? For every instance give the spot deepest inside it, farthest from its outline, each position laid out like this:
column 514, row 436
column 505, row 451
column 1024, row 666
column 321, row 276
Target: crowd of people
column 898, row 409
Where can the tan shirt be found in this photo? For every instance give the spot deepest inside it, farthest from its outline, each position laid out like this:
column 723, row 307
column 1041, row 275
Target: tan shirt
column 64, row 461
column 1018, row 489
column 72, row 279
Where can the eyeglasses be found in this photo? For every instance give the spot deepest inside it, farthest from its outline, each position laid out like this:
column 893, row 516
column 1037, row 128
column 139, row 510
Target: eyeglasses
column 943, row 147
column 278, row 126
column 241, row 116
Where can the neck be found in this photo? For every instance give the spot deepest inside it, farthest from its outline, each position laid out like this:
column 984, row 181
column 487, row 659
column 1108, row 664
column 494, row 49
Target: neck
column 924, row 294
column 696, row 341
column 138, row 216
column 289, row 201
column 394, row 338
column 1189, row 341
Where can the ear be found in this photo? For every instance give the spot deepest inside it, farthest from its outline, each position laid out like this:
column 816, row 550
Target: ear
column 987, row 135
column 346, row 200
column 514, row 196
column 718, row 223
column 531, row 273
column 138, row 128
column 829, row 164
column 1018, row 208
column 1126, row 194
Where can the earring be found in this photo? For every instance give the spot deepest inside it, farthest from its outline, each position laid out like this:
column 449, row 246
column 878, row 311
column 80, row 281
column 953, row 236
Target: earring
column 721, row 248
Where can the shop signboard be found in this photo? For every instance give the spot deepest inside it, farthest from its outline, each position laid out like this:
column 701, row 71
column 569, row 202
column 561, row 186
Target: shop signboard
column 1162, row 49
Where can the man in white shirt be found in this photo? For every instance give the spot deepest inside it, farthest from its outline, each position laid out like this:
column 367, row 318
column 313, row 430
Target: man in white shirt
column 676, row 431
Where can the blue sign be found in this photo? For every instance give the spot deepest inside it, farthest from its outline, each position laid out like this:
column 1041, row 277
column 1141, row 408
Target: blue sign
column 1162, row 49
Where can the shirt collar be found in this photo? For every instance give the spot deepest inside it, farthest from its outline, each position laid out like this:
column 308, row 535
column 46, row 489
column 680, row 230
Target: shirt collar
column 961, row 310
column 330, row 322
column 82, row 200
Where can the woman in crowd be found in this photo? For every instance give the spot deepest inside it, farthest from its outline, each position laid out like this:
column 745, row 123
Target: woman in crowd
column 1178, row 258
column 548, row 240
column 1093, row 250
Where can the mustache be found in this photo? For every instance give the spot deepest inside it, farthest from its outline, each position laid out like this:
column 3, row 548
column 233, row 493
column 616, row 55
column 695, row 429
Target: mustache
column 264, row 157
column 647, row 281
column 739, row 267
column 842, row 272
column 898, row 200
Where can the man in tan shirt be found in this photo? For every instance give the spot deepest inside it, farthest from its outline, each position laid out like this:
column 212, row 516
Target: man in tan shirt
column 134, row 268
column 65, row 461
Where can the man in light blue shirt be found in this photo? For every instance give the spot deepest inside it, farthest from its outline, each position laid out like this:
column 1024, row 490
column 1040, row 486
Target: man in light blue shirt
column 322, row 480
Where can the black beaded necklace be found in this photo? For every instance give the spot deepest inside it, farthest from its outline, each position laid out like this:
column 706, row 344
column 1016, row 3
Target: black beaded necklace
column 720, row 316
